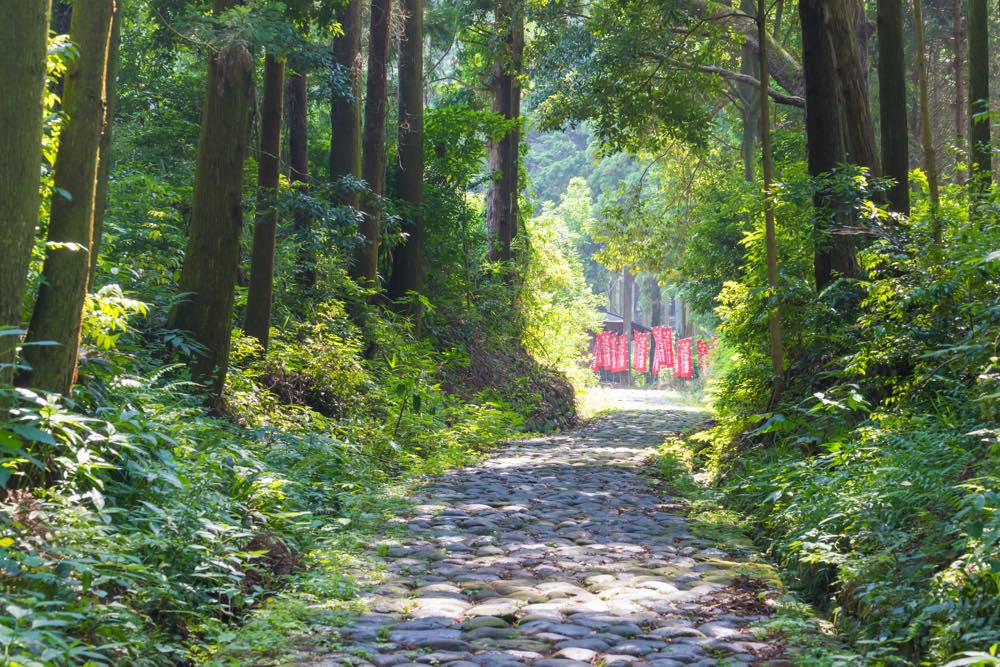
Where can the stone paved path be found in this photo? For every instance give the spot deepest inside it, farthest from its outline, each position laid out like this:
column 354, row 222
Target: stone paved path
column 559, row 552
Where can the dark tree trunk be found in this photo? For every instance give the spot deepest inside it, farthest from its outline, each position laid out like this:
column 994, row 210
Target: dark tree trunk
column 958, row 72
column 373, row 166
column 655, row 301
column 892, row 103
column 979, row 101
column 58, row 311
column 407, row 260
column 104, row 164
column 261, row 294
column 211, row 261
column 834, row 253
column 298, row 158
column 345, row 103
column 503, row 190
column 23, row 41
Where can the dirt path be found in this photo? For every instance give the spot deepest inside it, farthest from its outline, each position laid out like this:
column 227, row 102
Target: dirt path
column 558, row 552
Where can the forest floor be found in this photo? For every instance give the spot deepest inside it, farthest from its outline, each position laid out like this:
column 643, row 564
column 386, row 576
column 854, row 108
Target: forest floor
column 560, row 551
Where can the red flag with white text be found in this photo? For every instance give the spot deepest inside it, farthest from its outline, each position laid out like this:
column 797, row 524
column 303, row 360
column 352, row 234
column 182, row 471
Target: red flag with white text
column 685, row 367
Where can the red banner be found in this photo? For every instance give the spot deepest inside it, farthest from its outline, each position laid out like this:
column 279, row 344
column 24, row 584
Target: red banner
column 663, row 352
column 685, row 368
column 595, row 364
column 607, row 350
column 640, row 350
column 702, row 355
column 621, row 357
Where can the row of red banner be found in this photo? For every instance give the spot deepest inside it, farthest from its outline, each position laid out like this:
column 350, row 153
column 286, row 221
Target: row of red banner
column 611, row 353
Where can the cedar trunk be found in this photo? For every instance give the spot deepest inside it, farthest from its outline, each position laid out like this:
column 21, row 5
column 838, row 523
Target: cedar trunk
column 834, row 253
column 979, row 100
column 345, row 105
column 842, row 19
column 407, row 260
column 503, row 190
column 58, row 312
column 750, row 100
column 373, row 165
column 958, row 72
column 655, row 300
column 926, row 134
column 892, row 103
column 261, row 293
column 298, row 158
column 23, row 35
column 208, row 276
column 104, row 164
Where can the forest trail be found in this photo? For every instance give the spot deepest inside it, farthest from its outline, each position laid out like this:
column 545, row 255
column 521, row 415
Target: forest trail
column 559, row 552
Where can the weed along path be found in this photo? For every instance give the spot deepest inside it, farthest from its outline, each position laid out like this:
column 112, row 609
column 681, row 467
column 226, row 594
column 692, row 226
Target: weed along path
column 558, row 552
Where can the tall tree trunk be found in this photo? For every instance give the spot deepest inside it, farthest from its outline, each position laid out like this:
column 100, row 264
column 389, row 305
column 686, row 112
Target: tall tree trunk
column 655, row 301
column 345, row 102
column 373, row 165
column 979, row 102
column 892, row 103
column 298, row 158
column 958, row 72
column 104, row 163
column 261, row 293
column 926, row 134
column 407, row 260
column 750, row 99
column 59, row 309
column 834, row 253
column 842, row 20
column 503, row 190
column 770, row 237
column 23, row 40
column 628, row 305
column 213, row 249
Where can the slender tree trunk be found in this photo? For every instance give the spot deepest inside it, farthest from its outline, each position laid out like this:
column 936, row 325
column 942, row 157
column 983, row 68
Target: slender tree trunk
column 958, row 72
column 373, row 167
column 503, row 191
column 23, row 40
column 655, row 301
column 770, row 236
column 628, row 283
column 104, row 164
column 298, row 158
column 892, row 103
column 58, row 311
column 930, row 157
column 834, row 253
column 345, row 102
column 407, row 260
column 261, row 293
column 211, row 261
column 979, row 102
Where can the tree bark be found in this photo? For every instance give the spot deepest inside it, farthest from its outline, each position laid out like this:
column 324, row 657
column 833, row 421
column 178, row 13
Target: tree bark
column 211, row 261
column 628, row 282
column 407, row 260
column 750, row 98
column 104, row 163
column 261, row 293
column 57, row 316
column 892, row 103
column 345, row 102
column 958, row 72
column 655, row 301
column 365, row 268
column 298, row 158
column 927, row 138
column 23, row 42
column 770, row 236
column 858, row 131
column 979, row 101
column 503, row 190
column 833, row 253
